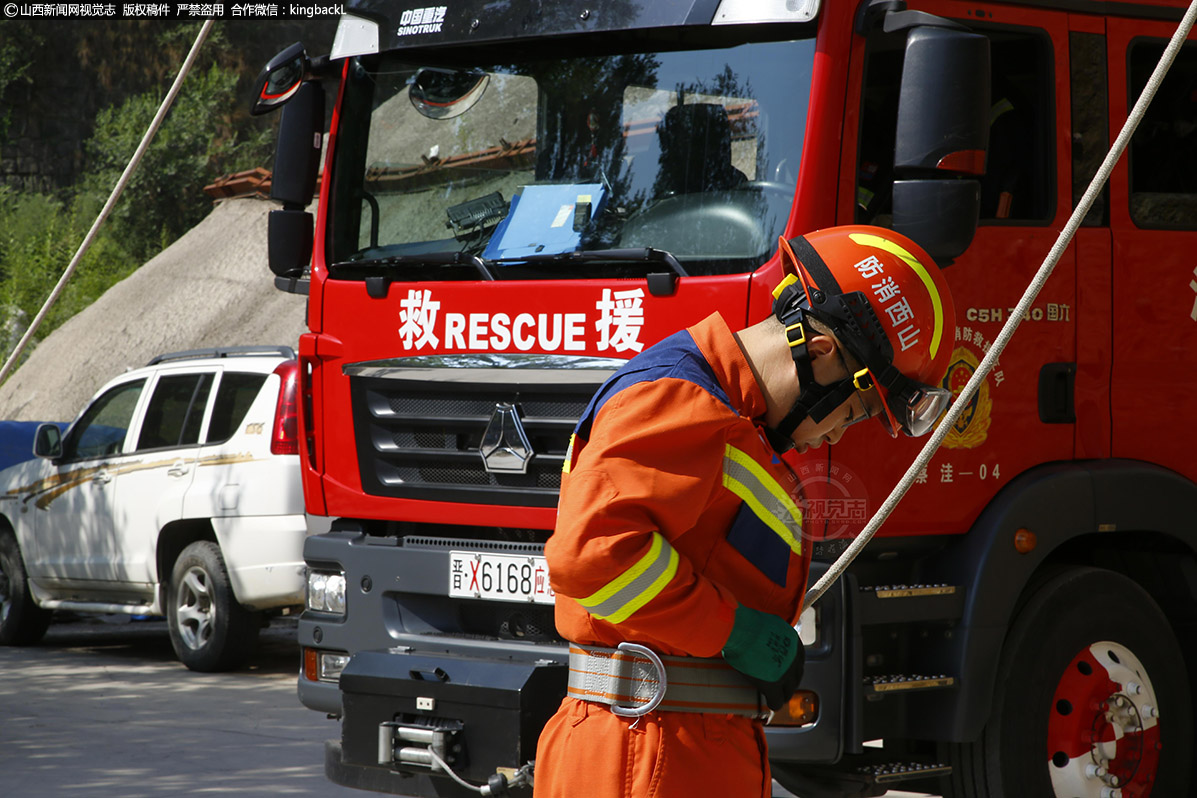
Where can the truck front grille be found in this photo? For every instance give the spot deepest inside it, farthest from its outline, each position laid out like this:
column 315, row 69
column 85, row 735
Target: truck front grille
column 420, row 423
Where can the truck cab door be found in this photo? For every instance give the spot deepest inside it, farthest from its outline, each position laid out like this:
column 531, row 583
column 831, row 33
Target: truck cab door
column 73, row 508
column 1024, row 200
column 1153, row 222
column 152, row 487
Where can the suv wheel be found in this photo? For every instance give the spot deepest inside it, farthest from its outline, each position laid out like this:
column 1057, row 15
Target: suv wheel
column 209, row 630
column 22, row 622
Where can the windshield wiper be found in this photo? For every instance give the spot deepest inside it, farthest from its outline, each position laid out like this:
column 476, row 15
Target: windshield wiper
column 643, row 254
column 426, row 259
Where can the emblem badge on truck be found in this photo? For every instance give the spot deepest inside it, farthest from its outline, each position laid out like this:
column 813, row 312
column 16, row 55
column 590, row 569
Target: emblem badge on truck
column 505, row 448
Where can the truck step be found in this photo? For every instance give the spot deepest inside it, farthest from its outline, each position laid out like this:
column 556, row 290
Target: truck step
column 871, row 774
column 908, row 591
column 889, row 604
column 905, row 683
column 903, row 771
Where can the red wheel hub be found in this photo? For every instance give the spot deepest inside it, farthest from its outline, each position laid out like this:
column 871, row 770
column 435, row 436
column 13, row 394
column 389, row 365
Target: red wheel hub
column 1103, row 733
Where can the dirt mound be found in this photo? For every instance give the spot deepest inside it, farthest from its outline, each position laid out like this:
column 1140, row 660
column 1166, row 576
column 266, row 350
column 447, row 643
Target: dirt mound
column 210, row 288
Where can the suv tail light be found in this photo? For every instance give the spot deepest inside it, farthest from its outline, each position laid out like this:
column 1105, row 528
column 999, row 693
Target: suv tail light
column 285, row 437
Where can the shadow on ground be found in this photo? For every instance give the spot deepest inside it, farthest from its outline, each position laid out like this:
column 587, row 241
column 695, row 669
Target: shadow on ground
column 102, row 709
column 149, row 639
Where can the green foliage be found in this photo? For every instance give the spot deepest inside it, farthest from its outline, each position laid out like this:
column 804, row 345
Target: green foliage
column 204, row 136
column 17, row 37
column 38, row 237
column 198, row 142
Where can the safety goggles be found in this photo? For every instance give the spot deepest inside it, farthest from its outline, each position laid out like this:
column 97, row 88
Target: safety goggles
column 909, row 406
column 914, row 409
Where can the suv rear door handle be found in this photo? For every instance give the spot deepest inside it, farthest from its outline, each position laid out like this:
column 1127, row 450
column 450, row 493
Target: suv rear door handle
column 102, row 477
column 178, row 469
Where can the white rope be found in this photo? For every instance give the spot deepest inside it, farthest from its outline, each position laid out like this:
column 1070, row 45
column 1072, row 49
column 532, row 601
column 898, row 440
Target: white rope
column 449, row 771
column 116, row 192
column 1045, row 271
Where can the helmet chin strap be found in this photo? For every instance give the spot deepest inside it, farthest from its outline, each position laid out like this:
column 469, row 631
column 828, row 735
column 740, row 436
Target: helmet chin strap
column 815, row 401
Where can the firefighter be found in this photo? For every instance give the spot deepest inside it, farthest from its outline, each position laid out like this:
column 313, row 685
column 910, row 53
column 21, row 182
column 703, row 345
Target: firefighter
column 679, row 537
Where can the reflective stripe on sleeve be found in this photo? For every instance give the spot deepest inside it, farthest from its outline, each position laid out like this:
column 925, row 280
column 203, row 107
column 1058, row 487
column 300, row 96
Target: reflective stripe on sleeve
column 569, row 454
column 635, row 587
column 746, row 478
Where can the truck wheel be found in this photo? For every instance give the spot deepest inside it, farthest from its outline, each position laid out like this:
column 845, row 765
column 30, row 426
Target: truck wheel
column 209, row 630
column 22, row 622
column 1093, row 699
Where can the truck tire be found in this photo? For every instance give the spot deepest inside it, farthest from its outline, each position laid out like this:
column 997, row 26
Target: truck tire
column 209, row 630
column 1093, row 698
column 22, row 622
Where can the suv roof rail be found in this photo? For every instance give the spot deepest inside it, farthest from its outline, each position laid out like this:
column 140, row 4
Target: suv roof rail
column 224, row 351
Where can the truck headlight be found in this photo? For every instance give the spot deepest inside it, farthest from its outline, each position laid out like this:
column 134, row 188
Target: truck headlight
column 323, row 666
column 326, row 591
column 330, row 666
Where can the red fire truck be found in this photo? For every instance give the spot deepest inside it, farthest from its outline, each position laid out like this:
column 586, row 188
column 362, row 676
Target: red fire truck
column 516, row 197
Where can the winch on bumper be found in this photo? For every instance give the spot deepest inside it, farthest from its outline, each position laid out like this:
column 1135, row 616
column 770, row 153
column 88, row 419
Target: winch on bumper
column 403, row 710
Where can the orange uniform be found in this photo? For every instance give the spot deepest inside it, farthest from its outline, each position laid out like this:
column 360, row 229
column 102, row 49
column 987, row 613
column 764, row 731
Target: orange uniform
column 674, row 510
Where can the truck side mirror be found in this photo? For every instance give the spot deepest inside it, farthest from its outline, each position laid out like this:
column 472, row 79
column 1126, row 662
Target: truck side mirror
column 47, row 442
column 280, row 79
column 446, row 93
column 941, row 138
column 297, row 151
column 289, row 242
column 296, row 162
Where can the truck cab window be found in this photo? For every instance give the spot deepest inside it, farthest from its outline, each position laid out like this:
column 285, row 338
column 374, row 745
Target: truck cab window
column 1163, row 151
column 660, row 145
column 1090, row 119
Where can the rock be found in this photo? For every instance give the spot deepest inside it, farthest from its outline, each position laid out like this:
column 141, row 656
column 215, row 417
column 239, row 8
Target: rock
column 210, row 288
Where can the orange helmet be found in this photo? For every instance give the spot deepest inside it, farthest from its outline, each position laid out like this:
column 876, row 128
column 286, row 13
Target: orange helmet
column 887, row 302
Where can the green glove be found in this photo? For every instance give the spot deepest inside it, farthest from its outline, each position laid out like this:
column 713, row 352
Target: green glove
column 768, row 651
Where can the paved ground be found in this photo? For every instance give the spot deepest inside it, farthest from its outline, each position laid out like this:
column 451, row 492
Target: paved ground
column 103, row 710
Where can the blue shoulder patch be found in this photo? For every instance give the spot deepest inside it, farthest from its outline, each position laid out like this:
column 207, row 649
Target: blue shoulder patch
column 676, row 357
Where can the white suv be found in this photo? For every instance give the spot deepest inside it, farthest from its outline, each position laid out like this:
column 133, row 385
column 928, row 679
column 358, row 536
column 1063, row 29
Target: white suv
column 176, row 492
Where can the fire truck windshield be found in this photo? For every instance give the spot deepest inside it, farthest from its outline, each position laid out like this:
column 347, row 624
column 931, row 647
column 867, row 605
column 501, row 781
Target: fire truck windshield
column 693, row 152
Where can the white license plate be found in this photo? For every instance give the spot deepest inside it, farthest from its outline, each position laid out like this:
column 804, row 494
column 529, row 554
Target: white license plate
column 499, row 577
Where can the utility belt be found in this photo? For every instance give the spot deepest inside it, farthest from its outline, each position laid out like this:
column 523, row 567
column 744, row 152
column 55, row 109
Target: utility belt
column 634, row 680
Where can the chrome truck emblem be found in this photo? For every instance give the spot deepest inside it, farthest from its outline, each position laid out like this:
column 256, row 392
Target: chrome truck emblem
column 505, row 448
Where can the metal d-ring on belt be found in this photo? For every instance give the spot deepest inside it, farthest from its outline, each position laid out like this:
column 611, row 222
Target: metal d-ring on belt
column 634, row 680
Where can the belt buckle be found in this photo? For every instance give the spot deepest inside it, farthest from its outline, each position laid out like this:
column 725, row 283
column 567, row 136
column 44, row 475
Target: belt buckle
column 654, row 702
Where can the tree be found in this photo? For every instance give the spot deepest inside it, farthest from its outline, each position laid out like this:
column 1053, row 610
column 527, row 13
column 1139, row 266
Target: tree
column 197, row 143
